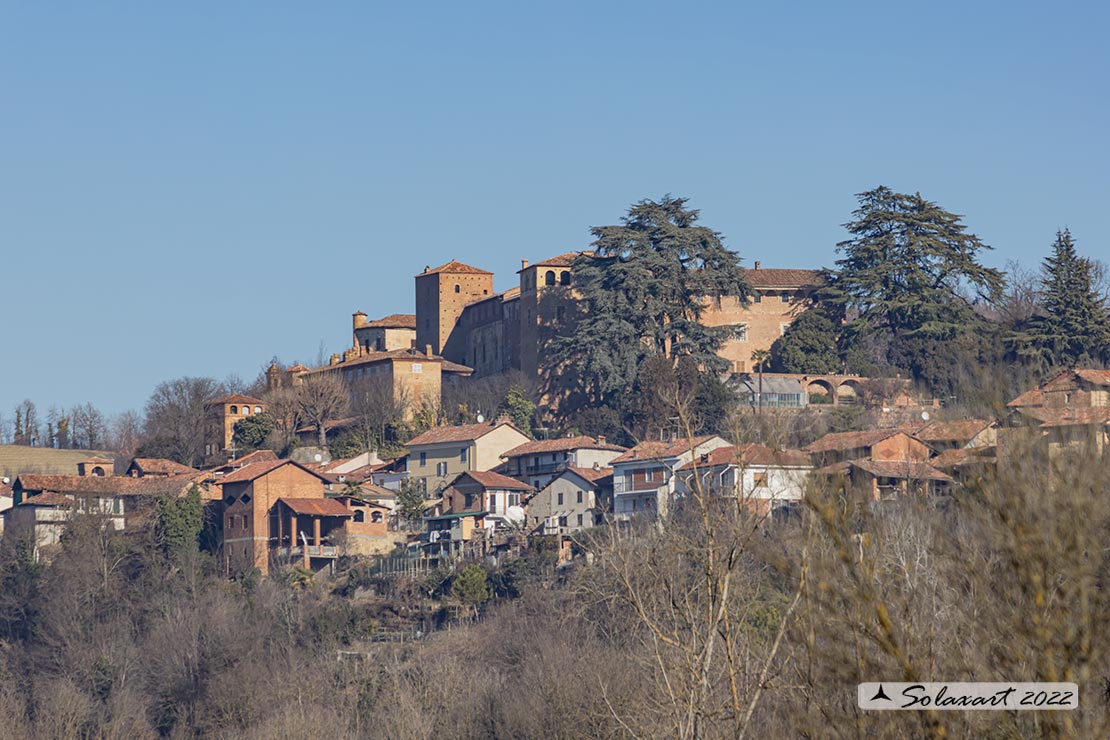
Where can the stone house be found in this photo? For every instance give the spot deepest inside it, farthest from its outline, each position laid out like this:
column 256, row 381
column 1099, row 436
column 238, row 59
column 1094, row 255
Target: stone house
column 439, row 455
column 396, row 331
column 872, row 444
column 644, row 477
column 572, row 500
column 540, row 461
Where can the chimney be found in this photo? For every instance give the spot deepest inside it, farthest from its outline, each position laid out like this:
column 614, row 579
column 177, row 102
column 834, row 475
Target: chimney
column 358, row 319
column 757, row 264
column 503, row 419
column 334, row 359
column 428, row 350
column 601, row 439
column 524, row 264
column 427, row 267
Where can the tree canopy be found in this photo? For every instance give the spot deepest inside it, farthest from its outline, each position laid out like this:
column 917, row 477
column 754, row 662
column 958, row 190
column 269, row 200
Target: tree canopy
column 643, row 292
column 910, row 277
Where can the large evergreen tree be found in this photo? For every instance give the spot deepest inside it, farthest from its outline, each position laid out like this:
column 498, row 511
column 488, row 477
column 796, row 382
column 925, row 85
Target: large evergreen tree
column 1072, row 324
column 808, row 345
column 643, row 293
column 905, row 279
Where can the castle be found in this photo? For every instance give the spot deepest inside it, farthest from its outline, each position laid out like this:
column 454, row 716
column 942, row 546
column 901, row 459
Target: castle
column 463, row 328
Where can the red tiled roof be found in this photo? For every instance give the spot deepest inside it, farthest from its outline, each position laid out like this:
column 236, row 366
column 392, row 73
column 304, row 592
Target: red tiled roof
column 409, row 353
column 1072, row 417
column 661, row 450
column 593, row 475
column 99, row 461
column 850, row 440
column 394, row 321
column 254, row 457
column 952, row 431
column 908, row 470
column 454, row 267
column 170, row 485
column 47, row 499
column 490, row 479
column 562, row 444
column 566, row 259
column 316, row 506
column 752, row 454
column 1095, row 377
column 460, row 433
column 782, row 278
column 160, row 466
column 234, row 398
column 964, row 456
column 254, row 470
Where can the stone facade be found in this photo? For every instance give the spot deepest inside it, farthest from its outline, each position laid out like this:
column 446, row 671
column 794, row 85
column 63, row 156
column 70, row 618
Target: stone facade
column 222, row 416
column 441, row 296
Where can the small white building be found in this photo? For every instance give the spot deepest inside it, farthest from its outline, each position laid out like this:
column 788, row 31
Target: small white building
column 763, row 479
column 644, row 477
column 538, row 463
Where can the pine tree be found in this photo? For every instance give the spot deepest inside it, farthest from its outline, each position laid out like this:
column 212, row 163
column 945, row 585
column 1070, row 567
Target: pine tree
column 1072, row 326
column 643, row 292
column 904, row 277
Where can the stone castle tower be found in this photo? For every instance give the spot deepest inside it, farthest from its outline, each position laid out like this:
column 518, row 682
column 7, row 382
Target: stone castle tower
column 441, row 295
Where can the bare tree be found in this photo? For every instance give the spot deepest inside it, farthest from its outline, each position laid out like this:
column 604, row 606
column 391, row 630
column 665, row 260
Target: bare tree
column 125, row 433
column 322, row 398
column 376, row 404
column 89, row 427
column 176, row 417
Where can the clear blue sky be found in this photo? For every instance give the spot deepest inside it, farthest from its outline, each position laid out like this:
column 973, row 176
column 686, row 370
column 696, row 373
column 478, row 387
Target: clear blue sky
column 192, row 188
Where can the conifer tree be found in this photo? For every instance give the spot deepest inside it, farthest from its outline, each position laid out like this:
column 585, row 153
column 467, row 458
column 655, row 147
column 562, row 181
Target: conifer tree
column 643, row 293
column 1072, row 325
column 904, row 277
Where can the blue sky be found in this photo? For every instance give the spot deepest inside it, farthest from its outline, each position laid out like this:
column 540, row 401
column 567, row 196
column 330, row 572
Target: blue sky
column 192, row 188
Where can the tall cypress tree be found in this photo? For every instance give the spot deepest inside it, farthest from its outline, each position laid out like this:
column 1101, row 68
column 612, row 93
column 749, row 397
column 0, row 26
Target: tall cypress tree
column 1071, row 326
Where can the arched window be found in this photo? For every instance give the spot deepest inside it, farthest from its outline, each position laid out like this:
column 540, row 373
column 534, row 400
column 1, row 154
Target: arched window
column 564, row 279
column 549, row 277
column 360, row 516
column 457, row 288
column 234, row 409
column 376, row 517
column 258, row 409
column 99, row 471
column 246, row 411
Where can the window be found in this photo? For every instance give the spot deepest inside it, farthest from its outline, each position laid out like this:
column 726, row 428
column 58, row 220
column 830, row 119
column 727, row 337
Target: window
column 741, row 332
column 441, row 468
column 246, row 499
column 457, row 288
column 565, row 278
column 360, row 515
column 649, row 475
column 560, row 312
column 760, row 480
column 579, row 520
column 246, row 411
column 580, row 499
column 417, row 368
column 514, row 499
column 234, row 409
column 562, row 521
column 757, row 297
column 423, row 459
column 231, row 522
column 376, row 517
column 783, row 328
column 492, row 502
column 559, row 500
column 462, row 455
column 98, row 471
column 549, row 277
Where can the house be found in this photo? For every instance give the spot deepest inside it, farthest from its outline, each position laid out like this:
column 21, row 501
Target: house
column 125, row 502
column 367, row 532
column 763, row 479
column 541, row 461
column 873, row 444
column 1076, row 388
column 5, row 499
column 886, row 480
column 276, row 512
column 643, row 477
column 499, row 496
column 953, row 435
column 968, row 464
column 1071, row 411
column 572, row 500
column 145, row 467
column 437, row 456
column 396, row 331
column 450, row 535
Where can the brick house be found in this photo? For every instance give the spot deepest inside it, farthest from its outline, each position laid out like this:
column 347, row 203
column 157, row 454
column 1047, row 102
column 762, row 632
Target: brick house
column 872, row 444
column 961, row 434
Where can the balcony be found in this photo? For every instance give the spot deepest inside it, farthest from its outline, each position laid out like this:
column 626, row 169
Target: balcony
column 547, row 468
column 625, row 486
column 313, row 551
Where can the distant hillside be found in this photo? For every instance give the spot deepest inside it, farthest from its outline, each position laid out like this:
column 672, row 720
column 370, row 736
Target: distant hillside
column 18, row 459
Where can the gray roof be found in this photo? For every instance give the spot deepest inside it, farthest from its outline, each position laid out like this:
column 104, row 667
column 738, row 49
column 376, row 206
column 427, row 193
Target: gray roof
column 750, row 384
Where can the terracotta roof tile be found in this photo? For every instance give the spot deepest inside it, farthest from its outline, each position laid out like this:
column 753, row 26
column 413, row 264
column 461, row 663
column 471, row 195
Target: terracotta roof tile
column 48, row 499
column 254, row 457
column 836, row 441
column 254, row 470
column 952, row 431
column 393, row 321
column 660, row 450
column 160, row 466
column 234, row 398
column 782, row 278
column 907, row 470
column 562, row 444
column 1095, row 377
column 593, row 475
column 566, row 259
column 490, row 479
column 461, row 433
column 752, row 454
column 316, row 506
column 454, row 267
column 1072, row 417
column 964, row 456
column 170, row 485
